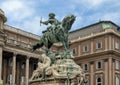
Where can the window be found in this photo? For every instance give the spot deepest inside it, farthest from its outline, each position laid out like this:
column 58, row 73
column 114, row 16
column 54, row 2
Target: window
column 9, row 79
column 117, row 80
column 116, row 64
column 99, row 65
column 10, row 62
column 99, row 81
column 74, row 51
column 85, row 48
column 23, row 65
column 98, row 45
column 85, row 67
column 116, row 45
column 34, row 66
column 22, row 80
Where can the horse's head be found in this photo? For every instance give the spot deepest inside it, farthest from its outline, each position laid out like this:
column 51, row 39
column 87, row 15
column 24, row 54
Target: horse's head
column 68, row 21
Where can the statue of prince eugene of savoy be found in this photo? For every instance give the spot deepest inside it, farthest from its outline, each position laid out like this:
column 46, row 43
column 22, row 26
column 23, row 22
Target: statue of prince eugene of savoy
column 57, row 65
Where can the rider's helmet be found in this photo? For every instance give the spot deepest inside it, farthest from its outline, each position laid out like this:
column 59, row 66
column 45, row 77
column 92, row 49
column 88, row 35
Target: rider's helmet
column 51, row 15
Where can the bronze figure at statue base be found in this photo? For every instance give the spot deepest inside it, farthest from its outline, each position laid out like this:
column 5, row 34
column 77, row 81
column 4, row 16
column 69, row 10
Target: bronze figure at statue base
column 57, row 68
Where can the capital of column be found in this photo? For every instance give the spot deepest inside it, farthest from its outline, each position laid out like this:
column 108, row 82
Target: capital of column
column 91, row 62
column 28, row 57
column 15, row 53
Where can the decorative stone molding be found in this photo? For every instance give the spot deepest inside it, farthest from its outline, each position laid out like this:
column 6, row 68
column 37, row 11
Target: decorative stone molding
column 3, row 16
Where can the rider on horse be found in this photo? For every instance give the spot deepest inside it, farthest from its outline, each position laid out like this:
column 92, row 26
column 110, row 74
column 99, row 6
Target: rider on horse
column 56, row 32
column 53, row 21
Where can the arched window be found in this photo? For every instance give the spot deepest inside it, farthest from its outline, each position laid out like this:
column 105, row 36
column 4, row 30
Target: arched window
column 99, row 81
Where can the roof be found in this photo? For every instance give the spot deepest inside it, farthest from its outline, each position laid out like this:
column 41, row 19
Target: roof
column 93, row 25
column 93, row 28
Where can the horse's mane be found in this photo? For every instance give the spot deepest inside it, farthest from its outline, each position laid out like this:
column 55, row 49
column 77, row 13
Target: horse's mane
column 68, row 21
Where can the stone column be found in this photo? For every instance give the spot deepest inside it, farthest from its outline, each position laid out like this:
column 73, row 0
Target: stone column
column 27, row 71
column 14, row 68
column 1, row 81
column 110, row 70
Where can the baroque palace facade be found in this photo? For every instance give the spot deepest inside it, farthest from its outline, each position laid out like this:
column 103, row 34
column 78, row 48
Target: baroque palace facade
column 96, row 49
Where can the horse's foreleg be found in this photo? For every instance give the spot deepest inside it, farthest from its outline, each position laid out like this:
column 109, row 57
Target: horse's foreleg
column 38, row 45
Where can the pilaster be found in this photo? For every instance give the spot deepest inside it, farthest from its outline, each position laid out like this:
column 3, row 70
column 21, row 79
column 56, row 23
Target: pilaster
column 110, row 70
column 106, row 42
column 106, row 72
column 92, row 73
column 92, row 49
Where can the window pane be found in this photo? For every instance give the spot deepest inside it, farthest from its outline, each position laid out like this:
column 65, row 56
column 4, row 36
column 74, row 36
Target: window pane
column 74, row 51
column 117, row 64
column 116, row 45
column 99, row 45
column 86, row 67
column 10, row 62
column 117, row 81
column 99, row 80
column 85, row 48
column 99, row 64
column 34, row 67
column 99, row 84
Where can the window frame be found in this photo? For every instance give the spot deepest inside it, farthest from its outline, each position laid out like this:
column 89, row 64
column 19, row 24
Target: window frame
column 74, row 51
column 117, row 64
column 97, row 45
column 85, row 67
column 97, row 65
column 85, row 48
column 116, row 45
column 117, row 77
column 98, row 83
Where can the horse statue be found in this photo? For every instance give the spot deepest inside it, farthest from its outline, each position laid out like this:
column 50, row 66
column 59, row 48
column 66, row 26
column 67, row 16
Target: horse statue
column 59, row 34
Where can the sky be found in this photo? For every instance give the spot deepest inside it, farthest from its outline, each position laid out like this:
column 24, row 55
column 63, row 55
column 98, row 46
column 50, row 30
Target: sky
column 26, row 14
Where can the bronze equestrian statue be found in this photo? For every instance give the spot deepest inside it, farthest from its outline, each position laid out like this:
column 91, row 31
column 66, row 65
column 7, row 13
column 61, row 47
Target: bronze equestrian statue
column 57, row 32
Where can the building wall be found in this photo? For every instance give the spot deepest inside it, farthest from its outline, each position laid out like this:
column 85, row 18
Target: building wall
column 96, row 49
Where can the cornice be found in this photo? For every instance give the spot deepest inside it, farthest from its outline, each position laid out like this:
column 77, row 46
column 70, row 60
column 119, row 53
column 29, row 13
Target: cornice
column 92, row 35
column 96, row 55
column 21, row 52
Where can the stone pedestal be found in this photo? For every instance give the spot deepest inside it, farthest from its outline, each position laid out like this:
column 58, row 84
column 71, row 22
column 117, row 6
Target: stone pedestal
column 62, row 72
column 1, row 81
column 48, row 82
